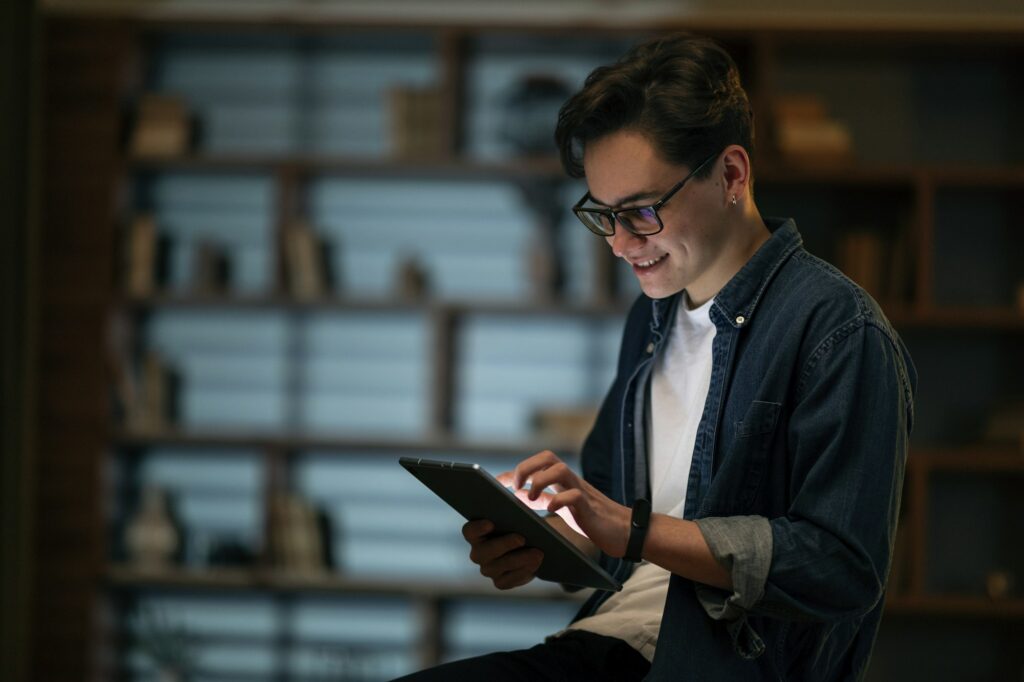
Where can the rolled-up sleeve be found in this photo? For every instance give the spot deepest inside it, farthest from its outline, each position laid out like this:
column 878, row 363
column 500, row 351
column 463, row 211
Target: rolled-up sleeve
column 743, row 544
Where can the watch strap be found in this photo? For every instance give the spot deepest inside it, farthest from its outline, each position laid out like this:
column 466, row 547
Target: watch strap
column 638, row 524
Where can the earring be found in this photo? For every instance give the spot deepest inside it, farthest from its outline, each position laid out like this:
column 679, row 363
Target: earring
column 733, row 199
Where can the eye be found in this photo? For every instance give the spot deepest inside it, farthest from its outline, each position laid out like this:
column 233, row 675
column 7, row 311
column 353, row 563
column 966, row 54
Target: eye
column 646, row 214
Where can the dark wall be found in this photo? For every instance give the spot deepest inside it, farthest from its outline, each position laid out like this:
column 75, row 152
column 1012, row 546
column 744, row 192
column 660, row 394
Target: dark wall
column 17, row 40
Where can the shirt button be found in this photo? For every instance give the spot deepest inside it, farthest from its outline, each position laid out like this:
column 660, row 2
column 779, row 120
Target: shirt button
column 740, row 319
column 650, row 348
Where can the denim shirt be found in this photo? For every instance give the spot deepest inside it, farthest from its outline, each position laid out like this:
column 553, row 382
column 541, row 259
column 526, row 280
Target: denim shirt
column 796, row 475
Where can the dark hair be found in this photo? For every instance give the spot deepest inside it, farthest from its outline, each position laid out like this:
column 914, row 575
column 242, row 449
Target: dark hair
column 682, row 92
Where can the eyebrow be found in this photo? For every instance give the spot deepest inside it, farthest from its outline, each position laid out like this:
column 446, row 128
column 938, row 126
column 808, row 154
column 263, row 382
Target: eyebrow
column 649, row 194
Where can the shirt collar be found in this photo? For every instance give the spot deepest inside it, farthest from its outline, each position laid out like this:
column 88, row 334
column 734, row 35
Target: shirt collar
column 738, row 299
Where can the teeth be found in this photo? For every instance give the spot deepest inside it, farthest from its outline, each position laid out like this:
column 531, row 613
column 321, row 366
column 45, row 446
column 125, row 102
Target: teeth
column 647, row 264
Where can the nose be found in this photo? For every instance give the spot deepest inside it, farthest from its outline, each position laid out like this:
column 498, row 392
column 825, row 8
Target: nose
column 623, row 241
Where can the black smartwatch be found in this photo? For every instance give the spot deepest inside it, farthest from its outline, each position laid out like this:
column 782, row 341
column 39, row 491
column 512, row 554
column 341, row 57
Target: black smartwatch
column 638, row 525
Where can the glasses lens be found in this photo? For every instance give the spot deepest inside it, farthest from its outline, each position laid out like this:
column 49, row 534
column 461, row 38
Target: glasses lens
column 641, row 220
column 595, row 221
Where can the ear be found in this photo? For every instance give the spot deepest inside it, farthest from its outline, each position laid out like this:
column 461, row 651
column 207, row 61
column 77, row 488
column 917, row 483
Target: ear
column 736, row 173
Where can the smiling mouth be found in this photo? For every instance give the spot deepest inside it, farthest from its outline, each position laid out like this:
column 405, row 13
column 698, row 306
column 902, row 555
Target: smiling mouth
column 648, row 264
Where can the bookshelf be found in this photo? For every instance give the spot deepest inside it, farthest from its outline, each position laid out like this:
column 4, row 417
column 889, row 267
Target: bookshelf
column 303, row 170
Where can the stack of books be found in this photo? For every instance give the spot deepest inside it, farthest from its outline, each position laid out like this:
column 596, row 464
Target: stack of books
column 806, row 134
column 161, row 127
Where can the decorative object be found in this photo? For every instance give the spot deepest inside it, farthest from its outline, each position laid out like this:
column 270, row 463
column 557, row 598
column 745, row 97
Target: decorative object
column 230, row 552
column 564, row 425
column 211, row 269
column 161, row 127
column 805, row 134
column 413, row 282
column 299, row 535
column 167, row 645
column 999, row 584
column 151, row 537
column 531, row 111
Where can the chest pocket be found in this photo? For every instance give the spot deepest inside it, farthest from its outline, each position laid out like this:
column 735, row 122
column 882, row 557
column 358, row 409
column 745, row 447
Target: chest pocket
column 741, row 472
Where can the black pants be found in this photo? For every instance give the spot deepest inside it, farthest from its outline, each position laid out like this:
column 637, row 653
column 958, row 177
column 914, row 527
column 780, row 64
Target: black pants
column 576, row 655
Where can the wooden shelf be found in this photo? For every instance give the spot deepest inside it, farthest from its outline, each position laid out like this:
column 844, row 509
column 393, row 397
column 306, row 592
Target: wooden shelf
column 548, row 168
column 983, row 459
column 982, row 318
column 824, row 24
column 128, row 439
column 777, row 172
column 400, row 305
column 219, row 579
column 994, row 318
column 954, row 606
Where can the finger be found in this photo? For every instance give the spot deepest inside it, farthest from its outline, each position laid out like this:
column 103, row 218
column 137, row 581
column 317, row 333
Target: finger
column 557, row 476
column 528, row 560
column 523, row 495
column 488, row 551
column 568, row 498
column 521, row 576
column 528, row 466
column 565, row 513
column 474, row 531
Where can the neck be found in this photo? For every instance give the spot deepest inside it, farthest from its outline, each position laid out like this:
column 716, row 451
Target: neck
column 745, row 235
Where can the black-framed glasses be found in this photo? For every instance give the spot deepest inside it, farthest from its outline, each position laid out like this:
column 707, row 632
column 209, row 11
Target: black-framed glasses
column 642, row 221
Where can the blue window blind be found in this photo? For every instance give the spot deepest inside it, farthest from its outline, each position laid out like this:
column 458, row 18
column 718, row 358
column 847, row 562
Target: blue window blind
column 499, row 64
column 263, row 94
column 353, row 373
column 386, row 523
column 215, row 496
column 233, row 212
column 510, row 367
column 474, row 628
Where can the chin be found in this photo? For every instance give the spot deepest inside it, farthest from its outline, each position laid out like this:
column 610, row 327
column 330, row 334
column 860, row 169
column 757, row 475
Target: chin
column 660, row 291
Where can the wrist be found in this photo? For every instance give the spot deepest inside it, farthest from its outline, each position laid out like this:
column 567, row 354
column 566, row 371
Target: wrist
column 639, row 523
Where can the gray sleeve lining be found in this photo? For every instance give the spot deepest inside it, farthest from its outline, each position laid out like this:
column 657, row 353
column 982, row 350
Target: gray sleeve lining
column 743, row 544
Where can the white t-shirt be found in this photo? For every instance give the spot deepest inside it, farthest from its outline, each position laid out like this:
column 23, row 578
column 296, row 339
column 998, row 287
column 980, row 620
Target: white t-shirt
column 679, row 388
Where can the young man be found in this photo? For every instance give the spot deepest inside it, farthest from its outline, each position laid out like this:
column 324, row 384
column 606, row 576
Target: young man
column 744, row 474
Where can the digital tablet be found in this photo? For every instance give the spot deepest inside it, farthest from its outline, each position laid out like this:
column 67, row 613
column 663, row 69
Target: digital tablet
column 476, row 494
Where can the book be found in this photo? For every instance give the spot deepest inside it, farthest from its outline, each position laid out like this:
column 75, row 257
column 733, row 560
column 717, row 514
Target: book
column 161, row 126
column 416, row 119
column 305, row 262
column 151, row 408
column 141, row 257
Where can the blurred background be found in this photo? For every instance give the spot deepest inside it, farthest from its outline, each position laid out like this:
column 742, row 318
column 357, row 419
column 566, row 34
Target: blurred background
column 255, row 252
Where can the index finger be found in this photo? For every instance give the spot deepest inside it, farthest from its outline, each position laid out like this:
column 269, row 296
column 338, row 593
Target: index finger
column 474, row 531
column 526, row 468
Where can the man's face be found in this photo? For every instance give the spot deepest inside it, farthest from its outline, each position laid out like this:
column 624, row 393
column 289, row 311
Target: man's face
column 623, row 170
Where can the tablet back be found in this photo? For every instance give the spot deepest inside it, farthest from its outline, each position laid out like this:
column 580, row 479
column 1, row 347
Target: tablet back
column 475, row 494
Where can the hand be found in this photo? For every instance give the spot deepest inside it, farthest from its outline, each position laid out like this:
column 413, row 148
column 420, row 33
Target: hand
column 503, row 559
column 540, row 503
column 601, row 519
